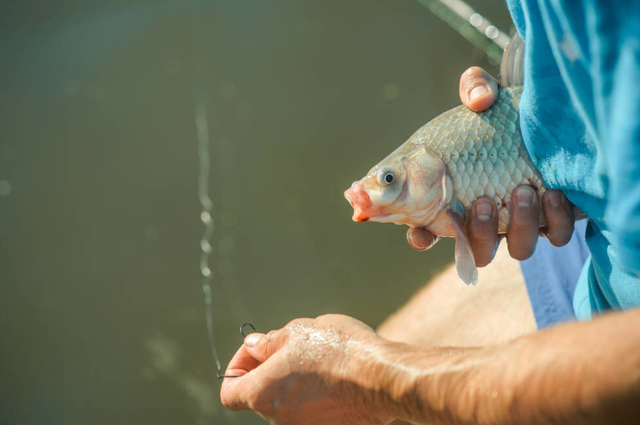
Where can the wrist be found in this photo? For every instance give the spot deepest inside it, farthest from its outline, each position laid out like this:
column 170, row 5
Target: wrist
column 392, row 377
column 420, row 384
column 370, row 368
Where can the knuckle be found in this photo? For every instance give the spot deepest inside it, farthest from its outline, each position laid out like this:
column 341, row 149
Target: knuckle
column 473, row 77
column 270, row 335
column 265, row 342
column 473, row 72
column 294, row 323
column 294, row 326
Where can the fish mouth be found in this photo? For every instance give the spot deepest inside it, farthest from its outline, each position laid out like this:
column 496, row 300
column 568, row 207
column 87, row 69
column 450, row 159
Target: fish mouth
column 360, row 201
column 388, row 218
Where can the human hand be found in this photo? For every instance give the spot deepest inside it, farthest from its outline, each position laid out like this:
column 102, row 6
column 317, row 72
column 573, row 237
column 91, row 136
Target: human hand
column 478, row 91
column 312, row 371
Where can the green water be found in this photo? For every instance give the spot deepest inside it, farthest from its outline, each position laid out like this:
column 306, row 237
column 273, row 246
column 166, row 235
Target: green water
column 101, row 310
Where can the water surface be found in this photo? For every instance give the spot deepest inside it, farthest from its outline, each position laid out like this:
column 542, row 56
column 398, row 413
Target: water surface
column 101, row 310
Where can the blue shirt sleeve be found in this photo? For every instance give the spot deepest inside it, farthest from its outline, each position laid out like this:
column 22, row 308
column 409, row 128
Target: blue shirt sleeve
column 614, row 31
column 580, row 120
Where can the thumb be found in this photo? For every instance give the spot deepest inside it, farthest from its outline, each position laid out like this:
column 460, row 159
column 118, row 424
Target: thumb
column 421, row 239
column 478, row 89
column 262, row 346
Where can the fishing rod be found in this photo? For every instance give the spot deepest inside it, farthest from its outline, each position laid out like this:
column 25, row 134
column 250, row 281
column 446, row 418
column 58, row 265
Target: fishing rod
column 471, row 25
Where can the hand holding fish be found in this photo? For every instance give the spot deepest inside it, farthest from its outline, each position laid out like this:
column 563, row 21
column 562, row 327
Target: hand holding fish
column 467, row 175
column 478, row 92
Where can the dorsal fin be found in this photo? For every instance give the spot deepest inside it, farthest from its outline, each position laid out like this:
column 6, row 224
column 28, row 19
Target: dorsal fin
column 512, row 64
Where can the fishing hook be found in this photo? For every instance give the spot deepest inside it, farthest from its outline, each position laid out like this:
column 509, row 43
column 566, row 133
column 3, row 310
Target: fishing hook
column 242, row 328
column 220, row 375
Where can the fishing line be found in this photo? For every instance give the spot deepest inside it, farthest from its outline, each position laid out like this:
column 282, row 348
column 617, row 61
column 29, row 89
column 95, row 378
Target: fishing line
column 201, row 120
column 206, row 203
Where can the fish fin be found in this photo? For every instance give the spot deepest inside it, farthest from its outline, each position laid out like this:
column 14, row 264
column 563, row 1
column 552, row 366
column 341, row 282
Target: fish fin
column 512, row 65
column 465, row 262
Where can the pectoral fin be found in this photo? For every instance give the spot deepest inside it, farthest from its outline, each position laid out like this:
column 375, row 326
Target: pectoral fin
column 465, row 262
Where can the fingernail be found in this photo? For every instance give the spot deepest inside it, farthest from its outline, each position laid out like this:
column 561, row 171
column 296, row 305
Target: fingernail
column 524, row 197
column 484, row 211
column 554, row 198
column 251, row 340
column 477, row 92
column 419, row 244
column 410, row 240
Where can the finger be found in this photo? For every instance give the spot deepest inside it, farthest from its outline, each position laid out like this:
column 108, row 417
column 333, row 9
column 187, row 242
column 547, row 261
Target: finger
column 478, row 89
column 482, row 230
column 256, row 389
column 242, row 362
column 421, row 239
column 262, row 346
column 559, row 216
column 524, row 223
column 232, row 392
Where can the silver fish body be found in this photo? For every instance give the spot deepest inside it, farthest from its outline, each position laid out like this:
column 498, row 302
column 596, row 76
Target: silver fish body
column 432, row 180
column 483, row 152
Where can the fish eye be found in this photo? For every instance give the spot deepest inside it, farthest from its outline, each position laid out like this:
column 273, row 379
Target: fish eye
column 386, row 176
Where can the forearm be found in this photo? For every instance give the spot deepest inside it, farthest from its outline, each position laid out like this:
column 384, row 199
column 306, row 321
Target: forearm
column 447, row 313
column 576, row 373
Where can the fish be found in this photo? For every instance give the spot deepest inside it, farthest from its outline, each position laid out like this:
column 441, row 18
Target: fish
column 432, row 180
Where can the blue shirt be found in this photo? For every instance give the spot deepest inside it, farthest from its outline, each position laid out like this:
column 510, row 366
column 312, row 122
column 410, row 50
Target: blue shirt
column 551, row 275
column 580, row 120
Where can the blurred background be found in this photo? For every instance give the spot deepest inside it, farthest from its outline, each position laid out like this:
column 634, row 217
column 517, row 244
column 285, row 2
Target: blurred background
column 102, row 316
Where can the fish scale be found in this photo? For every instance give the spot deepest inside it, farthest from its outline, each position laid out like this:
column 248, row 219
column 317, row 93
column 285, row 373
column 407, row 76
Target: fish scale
column 483, row 152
